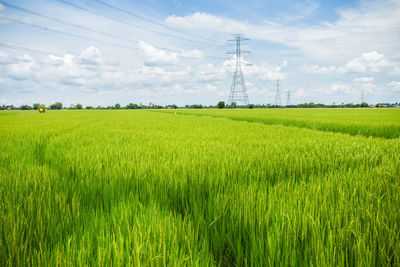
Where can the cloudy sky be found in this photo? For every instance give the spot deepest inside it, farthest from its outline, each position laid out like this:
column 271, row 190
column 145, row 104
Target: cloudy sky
column 102, row 52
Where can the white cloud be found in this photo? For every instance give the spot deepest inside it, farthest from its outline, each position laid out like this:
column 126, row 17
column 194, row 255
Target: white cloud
column 394, row 85
column 156, row 56
column 23, row 69
column 318, row 69
column 194, row 54
column 339, row 88
column 364, row 79
column 369, row 87
column 91, row 55
column 1, row 7
column 263, row 71
column 395, row 71
column 303, row 10
column 369, row 25
column 66, row 73
column 360, row 40
column 367, row 62
column 299, row 93
column 205, row 22
column 5, row 60
column 55, row 60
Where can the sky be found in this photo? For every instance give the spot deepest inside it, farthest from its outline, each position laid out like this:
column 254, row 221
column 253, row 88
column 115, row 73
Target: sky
column 103, row 52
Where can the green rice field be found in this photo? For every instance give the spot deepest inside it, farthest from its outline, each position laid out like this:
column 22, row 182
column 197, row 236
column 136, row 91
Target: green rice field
column 200, row 187
column 368, row 122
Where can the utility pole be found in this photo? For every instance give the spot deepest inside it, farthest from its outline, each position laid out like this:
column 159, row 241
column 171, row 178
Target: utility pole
column 238, row 92
column 278, row 94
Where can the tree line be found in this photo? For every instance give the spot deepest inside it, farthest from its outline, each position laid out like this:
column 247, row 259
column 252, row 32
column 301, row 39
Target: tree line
column 220, row 105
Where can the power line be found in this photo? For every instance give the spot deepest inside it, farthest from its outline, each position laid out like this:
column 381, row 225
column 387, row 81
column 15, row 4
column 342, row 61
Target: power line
column 151, row 21
column 126, row 23
column 82, row 27
column 65, row 33
column 25, row 49
column 89, row 29
column 81, row 66
column 64, row 22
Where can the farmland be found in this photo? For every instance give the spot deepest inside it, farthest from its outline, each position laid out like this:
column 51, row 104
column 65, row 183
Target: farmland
column 368, row 122
column 200, row 187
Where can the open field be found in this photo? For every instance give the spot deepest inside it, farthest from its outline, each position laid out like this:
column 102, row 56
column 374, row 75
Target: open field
column 157, row 188
column 368, row 122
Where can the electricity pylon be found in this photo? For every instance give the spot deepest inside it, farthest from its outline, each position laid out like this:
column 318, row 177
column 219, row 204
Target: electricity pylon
column 288, row 98
column 278, row 95
column 238, row 92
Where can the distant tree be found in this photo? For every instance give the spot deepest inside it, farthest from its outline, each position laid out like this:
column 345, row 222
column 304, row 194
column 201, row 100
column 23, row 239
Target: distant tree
column 42, row 108
column 89, row 107
column 57, row 105
column 196, row 106
column 251, row 106
column 221, row 104
column 117, row 106
column 364, row 104
column 36, row 106
column 79, row 106
column 132, row 106
column 25, row 107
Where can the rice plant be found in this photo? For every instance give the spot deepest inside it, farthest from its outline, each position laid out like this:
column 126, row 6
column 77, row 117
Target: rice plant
column 383, row 123
column 132, row 187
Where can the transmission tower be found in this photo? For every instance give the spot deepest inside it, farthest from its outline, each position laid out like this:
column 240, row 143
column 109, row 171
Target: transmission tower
column 238, row 92
column 362, row 96
column 288, row 98
column 278, row 95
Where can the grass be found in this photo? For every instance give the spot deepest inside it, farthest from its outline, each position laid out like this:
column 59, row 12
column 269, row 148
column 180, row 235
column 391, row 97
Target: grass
column 147, row 188
column 383, row 123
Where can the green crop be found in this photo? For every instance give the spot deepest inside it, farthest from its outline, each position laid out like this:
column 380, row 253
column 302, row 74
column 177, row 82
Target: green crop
column 133, row 187
column 368, row 122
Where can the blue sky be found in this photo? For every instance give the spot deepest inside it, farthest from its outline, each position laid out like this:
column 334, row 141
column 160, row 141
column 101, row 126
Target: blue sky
column 169, row 52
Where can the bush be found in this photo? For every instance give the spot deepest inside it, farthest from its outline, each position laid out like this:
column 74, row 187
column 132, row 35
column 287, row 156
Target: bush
column 57, row 105
column 42, row 108
column 26, row 107
column 221, row 104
